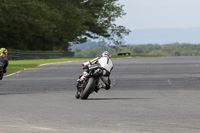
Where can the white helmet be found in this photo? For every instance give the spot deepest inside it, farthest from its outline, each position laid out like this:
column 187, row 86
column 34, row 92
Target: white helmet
column 105, row 53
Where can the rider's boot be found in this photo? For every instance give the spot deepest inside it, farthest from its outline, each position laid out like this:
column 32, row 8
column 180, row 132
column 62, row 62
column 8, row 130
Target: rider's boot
column 101, row 86
column 105, row 86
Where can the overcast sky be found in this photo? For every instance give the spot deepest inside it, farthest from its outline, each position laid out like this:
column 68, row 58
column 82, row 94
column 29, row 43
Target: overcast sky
column 143, row 14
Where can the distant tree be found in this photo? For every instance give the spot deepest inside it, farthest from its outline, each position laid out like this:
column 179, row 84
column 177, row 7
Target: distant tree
column 176, row 53
column 103, row 14
column 27, row 25
column 163, row 50
column 138, row 49
column 51, row 24
column 156, row 52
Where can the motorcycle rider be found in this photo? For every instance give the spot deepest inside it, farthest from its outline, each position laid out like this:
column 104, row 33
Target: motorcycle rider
column 101, row 64
column 3, row 58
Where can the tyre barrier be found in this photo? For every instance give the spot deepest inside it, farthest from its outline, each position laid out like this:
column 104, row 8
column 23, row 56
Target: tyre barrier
column 127, row 53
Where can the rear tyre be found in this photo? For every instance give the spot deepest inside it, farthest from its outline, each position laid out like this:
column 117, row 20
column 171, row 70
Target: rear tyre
column 88, row 89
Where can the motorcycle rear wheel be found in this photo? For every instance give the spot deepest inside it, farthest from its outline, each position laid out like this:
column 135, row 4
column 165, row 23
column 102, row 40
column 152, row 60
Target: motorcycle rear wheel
column 88, row 89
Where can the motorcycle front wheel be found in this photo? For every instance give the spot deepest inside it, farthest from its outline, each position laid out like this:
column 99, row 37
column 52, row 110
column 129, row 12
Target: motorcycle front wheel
column 88, row 89
column 1, row 75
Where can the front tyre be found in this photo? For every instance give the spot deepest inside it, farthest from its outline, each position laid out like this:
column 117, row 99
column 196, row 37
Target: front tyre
column 1, row 75
column 77, row 95
column 88, row 89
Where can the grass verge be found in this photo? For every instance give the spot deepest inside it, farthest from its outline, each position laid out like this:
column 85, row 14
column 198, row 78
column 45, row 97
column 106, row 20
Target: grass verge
column 18, row 65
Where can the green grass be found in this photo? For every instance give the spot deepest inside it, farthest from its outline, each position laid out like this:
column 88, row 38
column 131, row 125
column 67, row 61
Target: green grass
column 18, row 65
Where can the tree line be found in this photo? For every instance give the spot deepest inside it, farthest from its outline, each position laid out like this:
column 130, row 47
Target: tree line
column 175, row 49
column 55, row 24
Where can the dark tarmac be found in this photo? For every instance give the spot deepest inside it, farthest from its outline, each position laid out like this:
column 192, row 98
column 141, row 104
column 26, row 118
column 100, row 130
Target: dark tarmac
column 148, row 95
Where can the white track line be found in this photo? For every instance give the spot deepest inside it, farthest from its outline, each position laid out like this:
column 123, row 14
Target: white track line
column 169, row 82
column 12, row 74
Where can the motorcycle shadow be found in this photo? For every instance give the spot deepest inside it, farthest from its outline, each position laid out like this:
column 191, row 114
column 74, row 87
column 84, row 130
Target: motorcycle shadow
column 118, row 98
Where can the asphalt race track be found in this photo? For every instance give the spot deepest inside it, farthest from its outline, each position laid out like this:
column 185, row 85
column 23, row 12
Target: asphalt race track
column 148, row 95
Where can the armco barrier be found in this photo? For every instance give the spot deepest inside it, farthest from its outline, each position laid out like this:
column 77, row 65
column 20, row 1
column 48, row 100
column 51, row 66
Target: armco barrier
column 19, row 54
